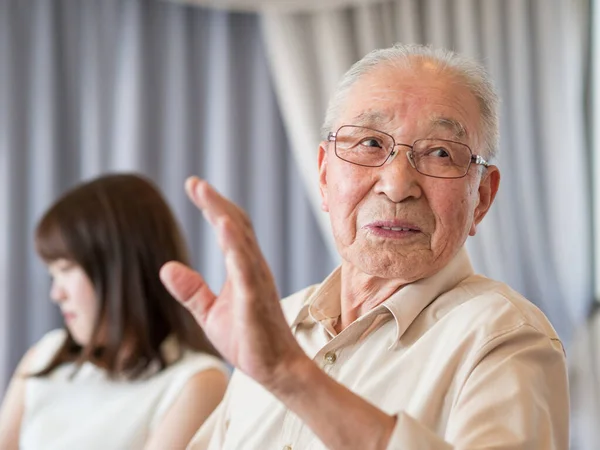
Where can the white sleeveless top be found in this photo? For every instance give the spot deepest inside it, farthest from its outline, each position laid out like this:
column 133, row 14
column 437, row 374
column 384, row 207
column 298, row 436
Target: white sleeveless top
column 89, row 411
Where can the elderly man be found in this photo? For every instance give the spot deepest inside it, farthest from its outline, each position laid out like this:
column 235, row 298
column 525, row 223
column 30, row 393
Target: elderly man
column 403, row 346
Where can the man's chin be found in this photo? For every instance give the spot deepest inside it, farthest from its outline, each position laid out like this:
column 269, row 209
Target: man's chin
column 394, row 265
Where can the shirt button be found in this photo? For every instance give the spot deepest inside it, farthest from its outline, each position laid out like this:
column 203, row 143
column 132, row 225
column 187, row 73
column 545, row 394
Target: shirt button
column 287, row 447
column 330, row 357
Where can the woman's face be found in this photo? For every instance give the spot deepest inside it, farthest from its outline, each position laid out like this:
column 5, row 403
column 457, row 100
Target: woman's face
column 74, row 293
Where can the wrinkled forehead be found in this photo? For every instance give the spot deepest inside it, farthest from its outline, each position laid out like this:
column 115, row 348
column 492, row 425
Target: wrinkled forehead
column 418, row 101
column 432, row 124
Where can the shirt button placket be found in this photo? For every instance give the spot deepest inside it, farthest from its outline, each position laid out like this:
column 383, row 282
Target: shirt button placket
column 330, row 358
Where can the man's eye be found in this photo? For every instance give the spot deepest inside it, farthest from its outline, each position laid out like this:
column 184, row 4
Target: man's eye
column 438, row 152
column 369, row 142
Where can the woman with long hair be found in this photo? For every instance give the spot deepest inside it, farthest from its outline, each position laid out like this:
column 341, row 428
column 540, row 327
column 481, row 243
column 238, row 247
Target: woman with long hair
column 131, row 369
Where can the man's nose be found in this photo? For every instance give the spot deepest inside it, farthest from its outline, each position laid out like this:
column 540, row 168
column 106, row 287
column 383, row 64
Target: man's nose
column 398, row 179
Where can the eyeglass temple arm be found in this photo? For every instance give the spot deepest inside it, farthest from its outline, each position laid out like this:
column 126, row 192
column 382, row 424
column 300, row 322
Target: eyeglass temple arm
column 478, row 159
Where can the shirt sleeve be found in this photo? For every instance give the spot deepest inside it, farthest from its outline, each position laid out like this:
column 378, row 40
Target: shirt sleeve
column 514, row 398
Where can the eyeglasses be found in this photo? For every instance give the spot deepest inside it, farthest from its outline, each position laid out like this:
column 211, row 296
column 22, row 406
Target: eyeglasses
column 438, row 158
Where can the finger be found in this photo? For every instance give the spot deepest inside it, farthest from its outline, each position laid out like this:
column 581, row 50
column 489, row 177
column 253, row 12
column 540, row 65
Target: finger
column 213, row 205
column 244, row 262
column 226, row 215
column 189, row 288
column 216, row 208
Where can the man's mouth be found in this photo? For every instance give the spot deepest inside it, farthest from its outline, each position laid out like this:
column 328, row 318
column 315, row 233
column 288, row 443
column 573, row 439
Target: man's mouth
column 397, row 228
column 394, row 229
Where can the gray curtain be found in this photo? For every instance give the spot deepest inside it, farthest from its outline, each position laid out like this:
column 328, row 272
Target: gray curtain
column 88, row 87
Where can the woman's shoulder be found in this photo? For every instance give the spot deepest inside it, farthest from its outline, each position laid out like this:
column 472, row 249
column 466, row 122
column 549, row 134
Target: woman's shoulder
column 178, row 373
column 56, row 336
column 181, row 358
column 192, row 361
column 40, row 355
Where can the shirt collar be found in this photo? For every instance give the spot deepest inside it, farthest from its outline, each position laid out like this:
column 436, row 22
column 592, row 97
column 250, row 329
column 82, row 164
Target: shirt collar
column 404, row 305
column 324, row 303
column 407, row 303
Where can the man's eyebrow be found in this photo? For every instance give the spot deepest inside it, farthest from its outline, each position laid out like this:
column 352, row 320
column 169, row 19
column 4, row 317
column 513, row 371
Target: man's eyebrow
column 449, row 124
column 369, row 118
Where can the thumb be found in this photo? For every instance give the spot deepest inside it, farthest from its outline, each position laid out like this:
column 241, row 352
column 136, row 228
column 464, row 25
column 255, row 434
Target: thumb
column 189, row 288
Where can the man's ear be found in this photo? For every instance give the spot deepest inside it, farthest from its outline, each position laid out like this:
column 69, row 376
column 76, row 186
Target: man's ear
column 323, row 176
column 488, row 188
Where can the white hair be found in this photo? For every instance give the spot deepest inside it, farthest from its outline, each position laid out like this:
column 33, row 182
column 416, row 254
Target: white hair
column 473, row 75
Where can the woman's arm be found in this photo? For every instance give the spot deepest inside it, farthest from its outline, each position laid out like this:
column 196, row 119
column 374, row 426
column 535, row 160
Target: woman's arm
column 196, row 401
column 13, row 405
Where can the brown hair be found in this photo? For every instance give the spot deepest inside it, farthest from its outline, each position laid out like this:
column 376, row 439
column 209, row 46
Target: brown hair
column 120, row 230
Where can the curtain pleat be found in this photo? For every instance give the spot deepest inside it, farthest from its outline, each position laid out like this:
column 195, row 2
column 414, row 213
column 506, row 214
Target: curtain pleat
column 166, row 90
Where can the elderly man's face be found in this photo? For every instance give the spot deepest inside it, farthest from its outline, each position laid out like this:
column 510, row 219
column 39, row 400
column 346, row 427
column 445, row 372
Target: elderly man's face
column 392, row 221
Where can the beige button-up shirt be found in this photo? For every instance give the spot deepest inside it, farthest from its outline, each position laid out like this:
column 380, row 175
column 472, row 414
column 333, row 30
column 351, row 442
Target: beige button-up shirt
column 462, row 361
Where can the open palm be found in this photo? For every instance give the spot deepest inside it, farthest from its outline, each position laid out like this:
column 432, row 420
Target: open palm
column 244, row 321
